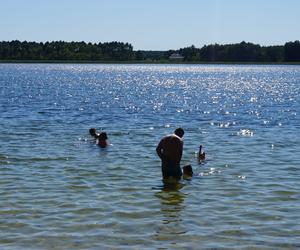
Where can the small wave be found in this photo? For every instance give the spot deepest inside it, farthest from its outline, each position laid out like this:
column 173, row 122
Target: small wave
column 223, row 125
column 211, row 171
column 79, row 187
column 245, row 132
column 3, row 157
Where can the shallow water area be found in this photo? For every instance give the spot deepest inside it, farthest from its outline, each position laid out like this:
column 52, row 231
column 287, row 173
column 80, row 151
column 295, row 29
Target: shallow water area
column 59, row 190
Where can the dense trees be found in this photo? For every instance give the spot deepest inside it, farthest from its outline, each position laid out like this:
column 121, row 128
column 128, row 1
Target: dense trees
column 118, row 51
column 292, row 51
column 59, row 50
column 241, row 52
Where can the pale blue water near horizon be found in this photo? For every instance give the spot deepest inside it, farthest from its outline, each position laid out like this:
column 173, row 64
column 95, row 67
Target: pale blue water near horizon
column 58, row 190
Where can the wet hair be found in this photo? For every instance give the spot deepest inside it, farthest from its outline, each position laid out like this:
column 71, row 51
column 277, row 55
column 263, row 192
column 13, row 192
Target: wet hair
column 188, row 170
column 103, row 136
column 179, row 132
column 92, row 131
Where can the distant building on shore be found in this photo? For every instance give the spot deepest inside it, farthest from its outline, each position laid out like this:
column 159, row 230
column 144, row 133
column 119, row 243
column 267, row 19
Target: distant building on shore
column 176, row 57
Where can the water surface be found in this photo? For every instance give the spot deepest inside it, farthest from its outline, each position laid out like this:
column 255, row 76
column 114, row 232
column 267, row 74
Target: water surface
column 58, row 190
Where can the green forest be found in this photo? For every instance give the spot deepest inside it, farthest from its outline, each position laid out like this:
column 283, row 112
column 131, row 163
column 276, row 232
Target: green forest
column 124, row 52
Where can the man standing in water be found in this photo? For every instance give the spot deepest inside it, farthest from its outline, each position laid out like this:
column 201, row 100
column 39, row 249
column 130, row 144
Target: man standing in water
column 169, row 151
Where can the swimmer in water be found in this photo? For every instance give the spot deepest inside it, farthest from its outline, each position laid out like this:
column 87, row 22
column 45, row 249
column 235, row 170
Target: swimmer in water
column 187, row 171
column 102, row 140
column 94, row 133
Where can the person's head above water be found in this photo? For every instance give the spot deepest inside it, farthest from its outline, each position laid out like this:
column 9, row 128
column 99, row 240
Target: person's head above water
column 93, row 132
column 102, row 143
column 179, row 132
column 188, row 170
column 103, row 136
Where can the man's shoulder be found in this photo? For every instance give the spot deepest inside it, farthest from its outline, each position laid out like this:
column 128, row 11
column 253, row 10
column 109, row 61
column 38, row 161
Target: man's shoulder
column 172, row 137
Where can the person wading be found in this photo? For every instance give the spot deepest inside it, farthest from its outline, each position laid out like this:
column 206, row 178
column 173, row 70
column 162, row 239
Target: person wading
column 170, row 150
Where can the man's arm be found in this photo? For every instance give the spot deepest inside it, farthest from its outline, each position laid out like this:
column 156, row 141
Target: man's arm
column 181, row 150
column 159, row 149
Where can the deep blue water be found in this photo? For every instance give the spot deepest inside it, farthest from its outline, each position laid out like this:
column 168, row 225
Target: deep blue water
column 58, row 190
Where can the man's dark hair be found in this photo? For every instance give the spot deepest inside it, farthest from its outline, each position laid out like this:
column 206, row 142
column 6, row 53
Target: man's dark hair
column 188, row 170
column 179, row 132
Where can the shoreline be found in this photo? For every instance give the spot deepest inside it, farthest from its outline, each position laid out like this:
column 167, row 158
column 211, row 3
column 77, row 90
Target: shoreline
column 140, row 62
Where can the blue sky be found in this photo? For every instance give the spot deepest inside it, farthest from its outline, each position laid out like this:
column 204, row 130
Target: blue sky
column 152, row 24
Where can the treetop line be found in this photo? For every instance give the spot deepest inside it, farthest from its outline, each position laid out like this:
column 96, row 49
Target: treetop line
column 120, row 51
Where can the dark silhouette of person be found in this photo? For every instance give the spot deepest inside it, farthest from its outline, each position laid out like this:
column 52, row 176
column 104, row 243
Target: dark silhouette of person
column 170, row 150
column 187, row 172
column 102, row 140
column 93, row 133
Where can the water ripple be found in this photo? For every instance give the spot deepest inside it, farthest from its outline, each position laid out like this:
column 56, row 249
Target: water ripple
column 61, row 191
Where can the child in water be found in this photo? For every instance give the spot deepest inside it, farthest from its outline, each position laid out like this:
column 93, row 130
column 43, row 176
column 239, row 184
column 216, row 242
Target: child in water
column 187, row 171
column 93, row 133
column 102, row 140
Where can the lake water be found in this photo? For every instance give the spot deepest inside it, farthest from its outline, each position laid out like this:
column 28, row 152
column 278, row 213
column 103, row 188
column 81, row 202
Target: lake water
column 58, row 190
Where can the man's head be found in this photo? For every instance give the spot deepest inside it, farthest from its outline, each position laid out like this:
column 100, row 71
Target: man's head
column 179, row 132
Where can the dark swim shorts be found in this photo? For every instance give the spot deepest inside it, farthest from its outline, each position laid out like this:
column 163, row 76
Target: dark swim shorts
column 171, row 169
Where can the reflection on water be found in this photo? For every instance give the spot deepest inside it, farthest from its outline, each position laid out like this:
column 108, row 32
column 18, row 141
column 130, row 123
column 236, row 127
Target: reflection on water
column 171, row 206
column 59, row 191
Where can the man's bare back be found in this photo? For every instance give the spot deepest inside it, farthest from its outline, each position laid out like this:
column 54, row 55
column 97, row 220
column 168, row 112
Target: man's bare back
column 169, row 151
column 170, row 148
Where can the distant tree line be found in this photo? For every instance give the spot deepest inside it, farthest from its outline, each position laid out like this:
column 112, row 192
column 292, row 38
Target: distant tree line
column 60, row 50
column 241, row 52
column 119, row 51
